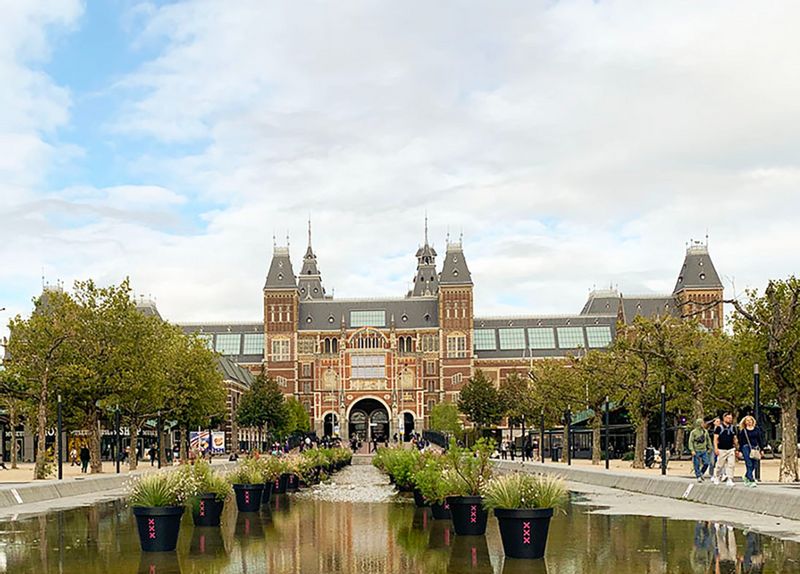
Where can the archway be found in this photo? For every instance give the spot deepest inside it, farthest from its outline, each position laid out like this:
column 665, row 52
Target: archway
column 329, row 424
column 369, row 419
column 408, row 426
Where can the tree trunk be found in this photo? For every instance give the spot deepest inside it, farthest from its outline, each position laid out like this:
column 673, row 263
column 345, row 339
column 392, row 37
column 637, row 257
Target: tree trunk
column 679, row 439
column 95, row 462
column 133, row 460
column 787, row 397
column 564, row 444
column 640, row 443
column 12, row 418
column 596, row 434
column 39, row 471
column 162, row 454
column 184, row 444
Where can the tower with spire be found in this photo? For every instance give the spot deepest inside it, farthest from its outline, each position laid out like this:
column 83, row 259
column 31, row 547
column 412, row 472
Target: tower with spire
column 426, row 280
column 699, row 291
column 281, row 307
column 309, row 283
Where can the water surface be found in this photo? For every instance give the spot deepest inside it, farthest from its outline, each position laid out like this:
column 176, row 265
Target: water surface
column 312, row 536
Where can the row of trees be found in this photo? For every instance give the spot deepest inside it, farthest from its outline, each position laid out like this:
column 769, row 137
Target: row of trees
column 96, row 350
column 703, row 373
column 264, row 407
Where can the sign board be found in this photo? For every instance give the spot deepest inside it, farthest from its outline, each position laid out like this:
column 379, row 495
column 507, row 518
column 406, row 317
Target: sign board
column 198, row 440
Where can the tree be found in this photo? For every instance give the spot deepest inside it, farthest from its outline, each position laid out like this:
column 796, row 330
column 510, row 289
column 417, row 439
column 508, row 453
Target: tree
column 770, row 325
column 444, row 417
column 12, row 398
column 297, row 418
column 41, row 353
column 481, row 401
column 262, row 406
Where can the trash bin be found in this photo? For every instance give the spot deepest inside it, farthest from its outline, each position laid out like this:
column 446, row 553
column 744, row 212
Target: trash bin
column 555, row 453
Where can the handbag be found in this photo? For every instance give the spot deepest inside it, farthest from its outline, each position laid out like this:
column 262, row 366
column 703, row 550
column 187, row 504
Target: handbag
column 755, row 453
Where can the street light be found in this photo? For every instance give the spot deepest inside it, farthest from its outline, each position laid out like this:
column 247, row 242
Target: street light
column 117, row 438
column 608, row 434
column 663, row 431
column 60, row 445
column 757, row 408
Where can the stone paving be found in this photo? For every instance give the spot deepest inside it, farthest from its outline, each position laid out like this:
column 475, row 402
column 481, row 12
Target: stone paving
column 356, row 483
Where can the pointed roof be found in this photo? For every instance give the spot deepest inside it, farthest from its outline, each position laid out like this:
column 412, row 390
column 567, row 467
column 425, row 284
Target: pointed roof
column 280, row 274
column 698, row 270
column 455, row 270
column 426, row 280
column 309, row 282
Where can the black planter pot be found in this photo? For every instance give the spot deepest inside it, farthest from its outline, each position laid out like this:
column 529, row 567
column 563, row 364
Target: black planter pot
column 207, row 510
column 441, row 511
column 158, row 527
column 524, row 531
column 265, row 496
column 419, row 500
column 292, row 483
column 279, row 484
column 248, row 496
column 468, row 516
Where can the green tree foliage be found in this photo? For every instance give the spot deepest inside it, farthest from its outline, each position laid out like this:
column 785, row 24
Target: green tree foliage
column 297, row 418
column 768, row 327
column 481, row 402
column 444, row 417
column 41, row 355
column 263, row 406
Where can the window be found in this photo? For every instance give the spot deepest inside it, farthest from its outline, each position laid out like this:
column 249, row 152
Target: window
column 430, row 343
column 330, row 345
column 306, row 346
column 368, row 318
column 208, row 338
column 307, row 388
column 430, row 367
column 431, row 404
column 368, row 367
column 281, row 381
column 542, row 338
column 368, row 340
column 280, row 349
column 456, row 346
column 512, row 339
column 457, row 378
column 570, row 337
column 228, row 343
column 484, row 340
column 432, row 386
column 405, row 344
column 598, row 336
column 306, row 370
column 253, row 344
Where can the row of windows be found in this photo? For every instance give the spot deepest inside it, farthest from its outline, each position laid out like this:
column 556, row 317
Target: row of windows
column 368, row 367
column 542, row 338
column 368, row 318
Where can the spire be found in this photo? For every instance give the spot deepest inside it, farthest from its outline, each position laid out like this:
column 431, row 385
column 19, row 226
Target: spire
column 280, row 274
column 426, row 281
column 698, row 270
column 310, row 281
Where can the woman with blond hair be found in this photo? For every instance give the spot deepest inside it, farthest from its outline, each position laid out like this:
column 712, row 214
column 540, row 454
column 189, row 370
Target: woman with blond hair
column 751, row 442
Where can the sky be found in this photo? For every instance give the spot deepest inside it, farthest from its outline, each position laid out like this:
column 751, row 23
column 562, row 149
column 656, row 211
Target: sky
column 574, row 144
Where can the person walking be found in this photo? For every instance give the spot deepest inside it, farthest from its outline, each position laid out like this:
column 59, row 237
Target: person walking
column 152, row 454
column 700, row 447
column 85, row 457
column 750, row 444
column 503, row 449
column 712, row 457
column 725, row 446
column 73, row 457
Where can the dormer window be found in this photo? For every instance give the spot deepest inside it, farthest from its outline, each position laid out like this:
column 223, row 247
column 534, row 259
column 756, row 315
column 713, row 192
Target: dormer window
column 702, row 276
column 308, row 319
column 331, row 319
column 280, row 276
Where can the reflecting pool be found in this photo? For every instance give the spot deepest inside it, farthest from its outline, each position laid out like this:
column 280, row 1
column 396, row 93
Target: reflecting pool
column 306, row 536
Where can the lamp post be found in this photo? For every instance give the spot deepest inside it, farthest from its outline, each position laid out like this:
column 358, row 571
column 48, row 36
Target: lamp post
column 158, row 437
column 757, row 408
column 117, row 439
column 59, row 439
column 568, row 424
column 608, row 434
column 523, row 438
column 663, row 430
column 541, row 439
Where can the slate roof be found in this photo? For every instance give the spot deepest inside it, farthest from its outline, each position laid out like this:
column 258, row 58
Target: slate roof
column 211, row 330
column 602, row 302
column 698, row 270
column 233, row 372
column 280, row 274
column 649, row 306
column 455, row 270
column 408, row 313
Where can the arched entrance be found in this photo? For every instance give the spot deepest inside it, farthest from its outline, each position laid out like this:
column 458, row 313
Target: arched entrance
column 369, row 419
column 408, row 426
column 329, row 424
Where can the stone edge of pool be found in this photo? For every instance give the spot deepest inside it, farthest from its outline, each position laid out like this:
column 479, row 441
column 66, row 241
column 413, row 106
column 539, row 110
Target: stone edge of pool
column 17, row 495
column 770, row 500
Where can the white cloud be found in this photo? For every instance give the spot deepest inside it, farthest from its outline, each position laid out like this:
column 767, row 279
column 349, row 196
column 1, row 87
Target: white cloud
column 576, row 143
